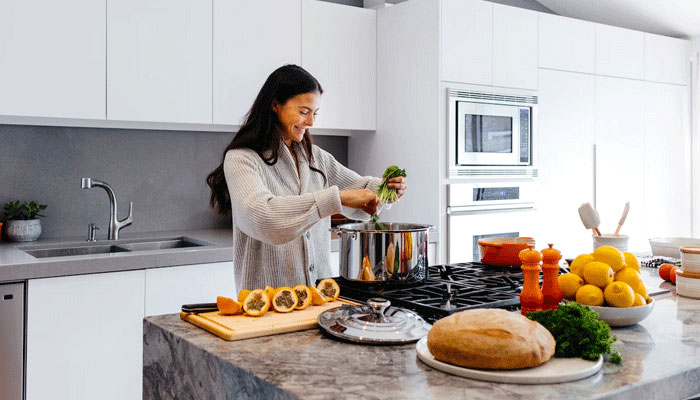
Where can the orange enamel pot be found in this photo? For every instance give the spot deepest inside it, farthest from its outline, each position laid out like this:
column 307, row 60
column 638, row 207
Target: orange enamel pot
column 504, row 251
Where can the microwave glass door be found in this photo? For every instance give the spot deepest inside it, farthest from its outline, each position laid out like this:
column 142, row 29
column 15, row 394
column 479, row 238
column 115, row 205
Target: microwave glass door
column 488, row 134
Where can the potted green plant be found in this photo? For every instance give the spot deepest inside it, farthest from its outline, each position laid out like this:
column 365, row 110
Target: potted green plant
column 22, row 222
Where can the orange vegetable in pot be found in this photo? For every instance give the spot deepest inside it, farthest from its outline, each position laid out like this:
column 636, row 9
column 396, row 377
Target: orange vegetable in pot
column 227, row 306
column 256, row 303
column 284, row 300
column 303, row 295
column 329, row 288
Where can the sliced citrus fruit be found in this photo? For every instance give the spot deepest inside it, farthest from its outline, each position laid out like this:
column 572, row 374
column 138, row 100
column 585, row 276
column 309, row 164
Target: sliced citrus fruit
column 242, row 295
column 269, row 291
column 227, row 306
column 284, row 299
column 304, row 295
column 329, row 288
column 317, row 298
column 256, row 303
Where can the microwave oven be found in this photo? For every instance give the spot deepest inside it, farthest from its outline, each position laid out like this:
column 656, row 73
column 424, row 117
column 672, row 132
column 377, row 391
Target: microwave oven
column 491, row 134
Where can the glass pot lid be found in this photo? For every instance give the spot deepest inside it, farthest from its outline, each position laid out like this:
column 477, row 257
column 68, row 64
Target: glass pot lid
column 375, row 322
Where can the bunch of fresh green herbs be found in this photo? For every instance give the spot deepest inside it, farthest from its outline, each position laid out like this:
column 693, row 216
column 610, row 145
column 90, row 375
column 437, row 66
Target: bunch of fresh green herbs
column 386, row 194
column 578, row 332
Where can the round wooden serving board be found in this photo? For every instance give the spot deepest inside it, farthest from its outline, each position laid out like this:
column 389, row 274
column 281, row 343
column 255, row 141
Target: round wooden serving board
column 556, row 370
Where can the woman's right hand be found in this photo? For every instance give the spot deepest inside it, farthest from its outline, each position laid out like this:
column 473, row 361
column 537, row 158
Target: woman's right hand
column 364, row 199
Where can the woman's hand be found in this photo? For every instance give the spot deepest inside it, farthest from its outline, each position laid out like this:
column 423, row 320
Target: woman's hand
column 364, row 199
column 398, row 183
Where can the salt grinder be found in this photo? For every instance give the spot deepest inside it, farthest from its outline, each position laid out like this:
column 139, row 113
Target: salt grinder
column 531, row 296
column 551, row 291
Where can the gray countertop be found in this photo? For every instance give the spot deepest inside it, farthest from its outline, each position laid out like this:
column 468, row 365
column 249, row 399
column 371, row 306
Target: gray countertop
column 661, row 359
column 16, row 265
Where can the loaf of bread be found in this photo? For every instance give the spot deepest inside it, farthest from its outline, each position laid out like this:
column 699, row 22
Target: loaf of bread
column 490, row 339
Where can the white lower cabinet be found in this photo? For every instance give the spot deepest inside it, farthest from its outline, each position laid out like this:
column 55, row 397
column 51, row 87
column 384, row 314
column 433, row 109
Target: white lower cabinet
column 84, row 337
column 167, row 289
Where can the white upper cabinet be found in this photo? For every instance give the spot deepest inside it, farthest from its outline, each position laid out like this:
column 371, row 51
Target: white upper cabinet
column 514, row 47
column 466, row 38
column 241, row 64
column 339, row 49
column 619, row 52
column 666, row 59
column 667, row 160
column 565, row 158
column 566, row 44
column 159, row 55
column 52, row 58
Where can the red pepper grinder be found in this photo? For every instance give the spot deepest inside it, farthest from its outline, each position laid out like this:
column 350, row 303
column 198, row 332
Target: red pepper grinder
column 531, row 296
column 550, row 278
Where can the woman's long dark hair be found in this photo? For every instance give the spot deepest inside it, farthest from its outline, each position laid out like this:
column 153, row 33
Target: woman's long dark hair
column 262, row 130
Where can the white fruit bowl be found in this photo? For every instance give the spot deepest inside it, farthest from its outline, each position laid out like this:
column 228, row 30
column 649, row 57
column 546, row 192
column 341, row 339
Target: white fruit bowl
column 617, row 317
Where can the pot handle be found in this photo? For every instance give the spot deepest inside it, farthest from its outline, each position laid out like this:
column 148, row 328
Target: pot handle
column 353, row 235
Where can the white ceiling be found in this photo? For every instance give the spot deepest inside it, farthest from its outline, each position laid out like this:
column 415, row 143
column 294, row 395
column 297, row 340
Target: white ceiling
column 678, row 18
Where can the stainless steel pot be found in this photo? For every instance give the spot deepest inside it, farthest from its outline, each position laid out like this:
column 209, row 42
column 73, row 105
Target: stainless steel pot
column 397, row 253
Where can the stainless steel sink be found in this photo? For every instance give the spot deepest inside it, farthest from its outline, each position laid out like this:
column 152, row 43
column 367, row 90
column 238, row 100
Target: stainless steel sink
column 162, row 244
column 75, row 251
column 121, row 246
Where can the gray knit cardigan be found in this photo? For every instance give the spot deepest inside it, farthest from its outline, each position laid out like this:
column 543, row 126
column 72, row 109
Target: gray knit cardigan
column 281, row 219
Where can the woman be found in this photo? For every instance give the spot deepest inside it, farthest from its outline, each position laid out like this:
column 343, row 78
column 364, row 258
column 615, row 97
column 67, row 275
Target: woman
column 281, row 189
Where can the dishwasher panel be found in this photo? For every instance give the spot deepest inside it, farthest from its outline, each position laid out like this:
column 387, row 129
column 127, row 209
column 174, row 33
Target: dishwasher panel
column 11, row 341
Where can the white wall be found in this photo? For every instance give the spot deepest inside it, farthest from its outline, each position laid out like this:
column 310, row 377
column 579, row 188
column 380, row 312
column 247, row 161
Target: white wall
column 695, row 134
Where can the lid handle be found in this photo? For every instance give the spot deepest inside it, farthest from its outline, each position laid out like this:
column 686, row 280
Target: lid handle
column 377, row 306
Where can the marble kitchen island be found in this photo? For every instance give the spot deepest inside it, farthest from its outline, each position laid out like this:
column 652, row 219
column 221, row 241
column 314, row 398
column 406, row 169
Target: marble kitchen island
column 661, row 359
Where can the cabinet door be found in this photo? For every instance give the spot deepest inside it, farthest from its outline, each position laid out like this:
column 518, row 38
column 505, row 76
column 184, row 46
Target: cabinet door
column 241, row 65
column 565, row 158
column 514, row 47
column 159, row 60
column 619, row 52
column 52, row 58
column 167, row 289
column 466, row 40
column 85, row 337
column 567, row 44
column 667, row 160
column 620, row 127
column 666, row 59
column 338, row 47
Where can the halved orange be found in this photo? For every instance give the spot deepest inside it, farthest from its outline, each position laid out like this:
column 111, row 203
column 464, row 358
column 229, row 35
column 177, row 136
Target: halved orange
column 284, row 300
column 256, row 303
column 304, row 295
column 329, row 288
column 317, row 298
column 227, row 306
column 242, row 295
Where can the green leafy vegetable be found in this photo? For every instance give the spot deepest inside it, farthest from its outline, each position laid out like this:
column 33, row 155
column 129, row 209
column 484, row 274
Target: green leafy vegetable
column 385, row 193
column 578, row 332
column 380, row 225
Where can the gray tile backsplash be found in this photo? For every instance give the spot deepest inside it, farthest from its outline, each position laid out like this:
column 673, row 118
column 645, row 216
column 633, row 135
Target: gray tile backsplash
column 162, row 172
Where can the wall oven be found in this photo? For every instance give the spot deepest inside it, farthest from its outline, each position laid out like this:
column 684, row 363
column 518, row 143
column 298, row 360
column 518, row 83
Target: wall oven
column 491, row 134
column 482, row 210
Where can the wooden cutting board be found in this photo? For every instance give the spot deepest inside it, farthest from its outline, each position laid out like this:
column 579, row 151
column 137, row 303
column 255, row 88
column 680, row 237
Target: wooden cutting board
column 241, row 326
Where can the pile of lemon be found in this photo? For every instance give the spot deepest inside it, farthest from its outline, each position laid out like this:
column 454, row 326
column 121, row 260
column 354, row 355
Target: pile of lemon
column 606, row 276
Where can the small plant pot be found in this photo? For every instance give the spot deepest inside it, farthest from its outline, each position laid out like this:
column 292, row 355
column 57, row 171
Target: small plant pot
column 23, row 230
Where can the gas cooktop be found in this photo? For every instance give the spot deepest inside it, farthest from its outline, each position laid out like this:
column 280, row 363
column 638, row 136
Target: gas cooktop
column 448, row 289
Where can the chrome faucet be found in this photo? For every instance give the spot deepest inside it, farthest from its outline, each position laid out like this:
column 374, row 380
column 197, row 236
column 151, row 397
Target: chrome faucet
column 114, row 225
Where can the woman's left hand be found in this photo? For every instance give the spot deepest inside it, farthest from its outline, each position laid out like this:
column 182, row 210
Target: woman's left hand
column 398, row 183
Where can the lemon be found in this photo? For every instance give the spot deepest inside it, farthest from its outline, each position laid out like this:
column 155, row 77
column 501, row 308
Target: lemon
column 598, row 273
column 632, row 261
column 619, row 294
column 642, row 290
column 630, row 276
column 569, row 284
column 579, row 262
column 590, row 295
column 639, row 300
column 611, row 256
